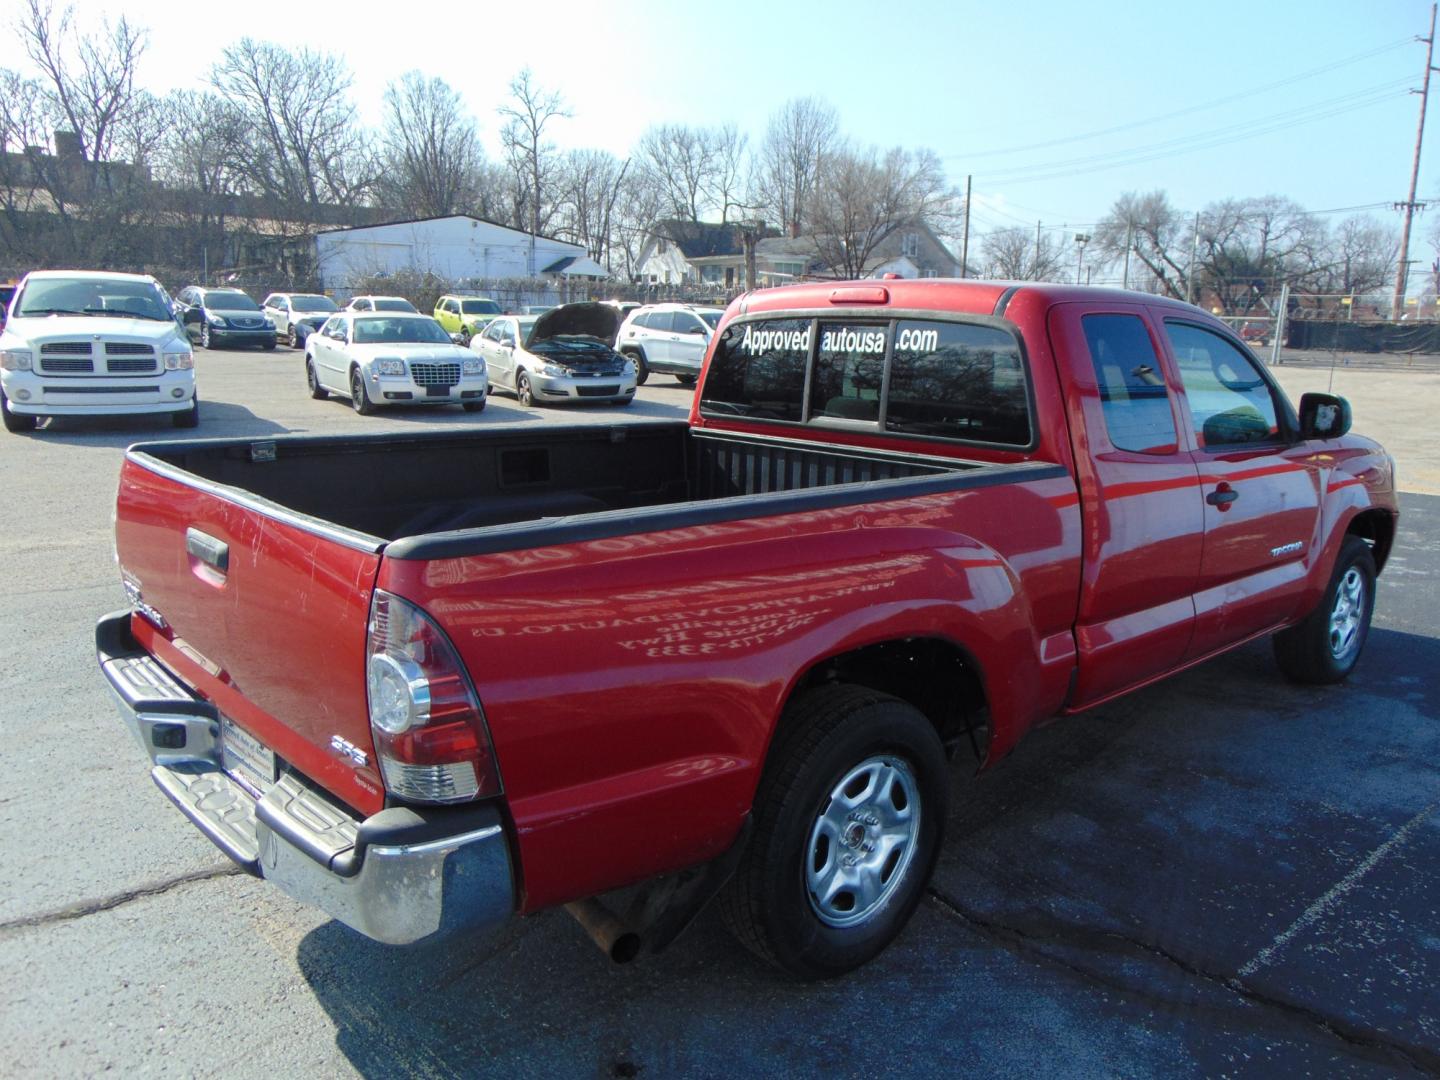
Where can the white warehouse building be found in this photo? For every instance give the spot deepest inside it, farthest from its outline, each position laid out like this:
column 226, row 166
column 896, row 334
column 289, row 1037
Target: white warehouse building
column 458, row 247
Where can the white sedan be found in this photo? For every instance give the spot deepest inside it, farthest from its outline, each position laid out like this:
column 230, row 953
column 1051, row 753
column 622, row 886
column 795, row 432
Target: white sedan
column 392, row 358
column 561, row 355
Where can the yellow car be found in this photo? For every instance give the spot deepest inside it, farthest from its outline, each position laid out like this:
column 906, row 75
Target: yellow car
column 465, row 315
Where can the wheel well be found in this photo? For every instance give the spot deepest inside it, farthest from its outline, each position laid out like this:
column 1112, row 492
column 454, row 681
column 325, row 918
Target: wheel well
column 633, row 350
column 935, row 676
column 1376, row 528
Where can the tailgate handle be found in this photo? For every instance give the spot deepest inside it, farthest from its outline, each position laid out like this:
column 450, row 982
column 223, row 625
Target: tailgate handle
column 207, row 549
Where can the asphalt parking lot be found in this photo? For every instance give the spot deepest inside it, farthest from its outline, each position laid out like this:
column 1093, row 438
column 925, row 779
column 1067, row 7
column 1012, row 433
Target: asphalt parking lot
column 1221, row 875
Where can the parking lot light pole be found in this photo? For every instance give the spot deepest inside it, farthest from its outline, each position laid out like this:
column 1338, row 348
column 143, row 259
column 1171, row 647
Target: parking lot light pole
column 1081, row 239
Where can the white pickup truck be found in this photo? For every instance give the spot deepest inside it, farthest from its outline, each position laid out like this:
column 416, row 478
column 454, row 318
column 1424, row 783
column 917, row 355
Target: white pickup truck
column 87, row 343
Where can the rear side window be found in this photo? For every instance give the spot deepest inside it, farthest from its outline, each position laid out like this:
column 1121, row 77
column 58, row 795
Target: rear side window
column 758, row 370
column 1132, row 384
column 957, row 381
column 662, row 320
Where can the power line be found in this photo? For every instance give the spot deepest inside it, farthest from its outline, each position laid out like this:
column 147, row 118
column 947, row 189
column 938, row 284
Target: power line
column 1324, row 69
column 1200, row 141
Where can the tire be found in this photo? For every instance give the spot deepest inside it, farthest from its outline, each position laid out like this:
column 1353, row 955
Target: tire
column 190, row 417
column 842, row 751
column 641, row 371
column 473, row 406
column 1326, row 646
column 205, row 335
column 523, row 390
column 291, row 339
column 270, row 345
column 685, row 380
column 359, row 396
column 318, row 392
column 15, row 423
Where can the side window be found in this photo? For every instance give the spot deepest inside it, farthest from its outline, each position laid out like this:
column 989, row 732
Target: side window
column 1230, row 401
column 849, row 371
column 664, row 321
column 1132, row 384
column 758, row 370
column 688, row 324
column 643, row 320
column 957, row 381
column 491, row 333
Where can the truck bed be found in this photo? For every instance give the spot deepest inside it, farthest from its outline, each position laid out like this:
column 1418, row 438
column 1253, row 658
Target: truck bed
column 384, row 488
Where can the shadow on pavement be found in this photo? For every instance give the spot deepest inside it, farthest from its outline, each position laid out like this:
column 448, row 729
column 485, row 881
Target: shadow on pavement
column 217, row 419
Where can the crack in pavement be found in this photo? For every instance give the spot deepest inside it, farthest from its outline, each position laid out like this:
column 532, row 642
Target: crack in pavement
column 107, row 903
column 1023, row 940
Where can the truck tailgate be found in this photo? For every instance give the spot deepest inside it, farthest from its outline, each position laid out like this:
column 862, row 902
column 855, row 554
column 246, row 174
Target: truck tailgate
column 262, row 616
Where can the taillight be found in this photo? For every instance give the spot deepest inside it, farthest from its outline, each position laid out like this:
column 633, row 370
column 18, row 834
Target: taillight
column 430, row 735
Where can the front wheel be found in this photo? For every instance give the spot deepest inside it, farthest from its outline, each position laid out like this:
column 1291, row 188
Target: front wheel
column 359, row 396
column 269, row 345
column 474, row 406
column 190, row 417
column 1326, row 646
column 205, row 335
column 685, row 380
column 312, row 381
column 523, row 390
column 848, row 821
column 641, row 371
column 291, row 338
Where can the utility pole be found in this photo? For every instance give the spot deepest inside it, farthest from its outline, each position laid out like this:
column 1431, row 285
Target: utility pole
column 965, row 234
column 1409, row 206
column 1129, row 243
column 1194, row 254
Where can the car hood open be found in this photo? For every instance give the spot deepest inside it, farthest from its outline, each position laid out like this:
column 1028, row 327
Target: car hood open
column 585, row 319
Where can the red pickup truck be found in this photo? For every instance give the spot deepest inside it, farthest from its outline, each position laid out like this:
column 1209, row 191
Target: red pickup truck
column 428, row 682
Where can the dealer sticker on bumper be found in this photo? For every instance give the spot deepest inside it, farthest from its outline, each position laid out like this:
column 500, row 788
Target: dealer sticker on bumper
column 245, row 757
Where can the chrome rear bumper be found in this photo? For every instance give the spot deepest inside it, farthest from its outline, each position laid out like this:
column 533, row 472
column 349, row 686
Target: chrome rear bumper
column 398, row 876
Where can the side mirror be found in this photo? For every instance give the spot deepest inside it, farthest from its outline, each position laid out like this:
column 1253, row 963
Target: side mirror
column 458, row 339
column 1324, row 416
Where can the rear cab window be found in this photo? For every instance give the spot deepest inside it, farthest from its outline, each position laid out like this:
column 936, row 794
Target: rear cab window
column 930, row 379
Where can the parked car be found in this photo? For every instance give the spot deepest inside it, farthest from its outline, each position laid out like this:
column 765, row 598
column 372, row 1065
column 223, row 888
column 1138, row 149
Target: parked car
column 83, row 343
column 390, row 358
column 7, row 293
column 670, row 338
column 381, row 303
column 297, row 315
column 220, row 317
column 558, row 356
column 465, row 315
column 537, row 309
column 428, row 683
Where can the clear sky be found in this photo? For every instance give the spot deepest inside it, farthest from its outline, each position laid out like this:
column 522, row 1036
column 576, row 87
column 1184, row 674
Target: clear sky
column 1055, row 107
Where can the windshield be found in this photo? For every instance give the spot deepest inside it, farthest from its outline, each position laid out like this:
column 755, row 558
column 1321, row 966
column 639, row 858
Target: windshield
column 395, row 305
column 93, row 296
column 312, row 303
column 230, row 301
column 380, row 329
column 480, row 307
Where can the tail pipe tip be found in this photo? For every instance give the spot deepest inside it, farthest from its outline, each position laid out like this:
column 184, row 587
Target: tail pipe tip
column 616, row 939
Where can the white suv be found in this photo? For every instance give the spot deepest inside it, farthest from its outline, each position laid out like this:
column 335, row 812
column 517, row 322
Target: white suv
column 86, row 343
column 670, row 338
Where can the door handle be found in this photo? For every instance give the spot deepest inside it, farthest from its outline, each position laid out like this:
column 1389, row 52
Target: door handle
column 1222, row 496
column 210, row 551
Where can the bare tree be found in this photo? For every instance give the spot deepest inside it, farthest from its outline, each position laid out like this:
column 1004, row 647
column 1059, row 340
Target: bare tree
column 1156, row 236
column 1362, row 256
column 1248, row 247
column 306, row 147
column 679, row 162
column 797, row 139
column 638, row 206
column 25, row 123
column 431, row 147
column 728, row 159
column 590, row 186
column 529, row 153
column 1016, row 254
column 861, row 197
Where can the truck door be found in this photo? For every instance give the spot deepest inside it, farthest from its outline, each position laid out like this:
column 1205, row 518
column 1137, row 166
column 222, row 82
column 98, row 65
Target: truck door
column 1140, row 503
column 1261, row 498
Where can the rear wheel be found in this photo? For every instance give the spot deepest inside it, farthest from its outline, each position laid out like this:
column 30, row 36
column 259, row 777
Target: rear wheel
column 1326, row 646
column 359, row 396
column 15, row 422
column 847, row 824
column 523, row 390
column 317, row 391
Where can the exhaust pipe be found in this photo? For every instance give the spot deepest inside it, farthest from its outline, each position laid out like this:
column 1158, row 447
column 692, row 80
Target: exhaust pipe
column 606, row 929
